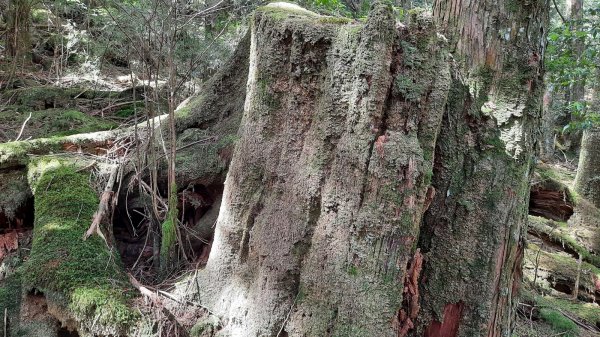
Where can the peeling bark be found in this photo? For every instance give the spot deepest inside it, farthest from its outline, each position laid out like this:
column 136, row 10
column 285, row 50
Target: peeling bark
column 327, row 185
column 473, row 233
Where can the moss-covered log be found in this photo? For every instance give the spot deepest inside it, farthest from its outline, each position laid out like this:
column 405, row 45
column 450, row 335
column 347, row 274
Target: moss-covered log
column 82, row 281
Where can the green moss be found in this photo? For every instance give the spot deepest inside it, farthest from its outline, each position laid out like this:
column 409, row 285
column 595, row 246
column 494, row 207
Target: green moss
column 169, row 232
column 492, row 197
column 561, row 266
column 183, row 112
column 334, row 20
column 561, row 233
column 69, row 122
column 10, row 295
column 407, row 88
column 559, row 322
column 82, row 277
column 40, row 97
column 54, row 122
column 550, row 172
column 352, row 270
column 14, row 154
column 494, row 143
column 205, row 326
column 40, row 15
column 467, row 204
column 428, row 177
column 587, row 311
column 129, row 110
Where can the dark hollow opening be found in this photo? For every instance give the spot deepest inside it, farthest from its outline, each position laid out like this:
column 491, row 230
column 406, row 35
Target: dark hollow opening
column 563, row 288
column 198, row 208
column 21, row 220
column 550, row 202
column 64, row 332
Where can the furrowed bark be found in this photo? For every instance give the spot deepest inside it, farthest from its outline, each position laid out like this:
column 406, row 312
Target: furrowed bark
column 473, row 234
column 328, row 182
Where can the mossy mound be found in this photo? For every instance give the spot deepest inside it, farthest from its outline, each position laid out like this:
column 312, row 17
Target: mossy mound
column 50, row 123
column 555, row 316
column 47, row 97
column 42, row 97
column 82, row 279
column 561, row 175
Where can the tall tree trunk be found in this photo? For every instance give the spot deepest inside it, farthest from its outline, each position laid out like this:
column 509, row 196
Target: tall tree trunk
column 578, row 87
column 18, row 40
column 473, row 233
column 587, row 181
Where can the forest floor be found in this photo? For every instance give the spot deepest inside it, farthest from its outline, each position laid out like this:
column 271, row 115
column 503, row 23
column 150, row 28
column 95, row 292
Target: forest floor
column 563, row 239
column 563, row 242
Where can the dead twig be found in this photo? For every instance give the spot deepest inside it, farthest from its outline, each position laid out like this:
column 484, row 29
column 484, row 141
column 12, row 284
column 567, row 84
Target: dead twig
column 23, row 127
column 103, row 208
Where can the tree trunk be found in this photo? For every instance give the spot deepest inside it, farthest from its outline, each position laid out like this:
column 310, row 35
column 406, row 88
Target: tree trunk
column 578, row 86
column 587, row 181
column 473, row 233
column 328, row 183
column 18, row 40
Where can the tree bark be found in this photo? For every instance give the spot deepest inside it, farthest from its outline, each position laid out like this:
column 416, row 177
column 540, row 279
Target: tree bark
column 578, row 87
column 473, row 233
column 323, row 229
column 587, row 181
column 328, row 183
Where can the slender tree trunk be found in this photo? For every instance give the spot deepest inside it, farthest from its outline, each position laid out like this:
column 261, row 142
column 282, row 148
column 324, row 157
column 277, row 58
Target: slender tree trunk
column 578, row 87
column 473, row 233
column 18, row 40
column 587, row 181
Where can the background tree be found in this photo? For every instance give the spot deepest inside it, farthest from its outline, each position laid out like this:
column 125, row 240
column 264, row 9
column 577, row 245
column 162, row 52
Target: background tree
column 18, row 39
